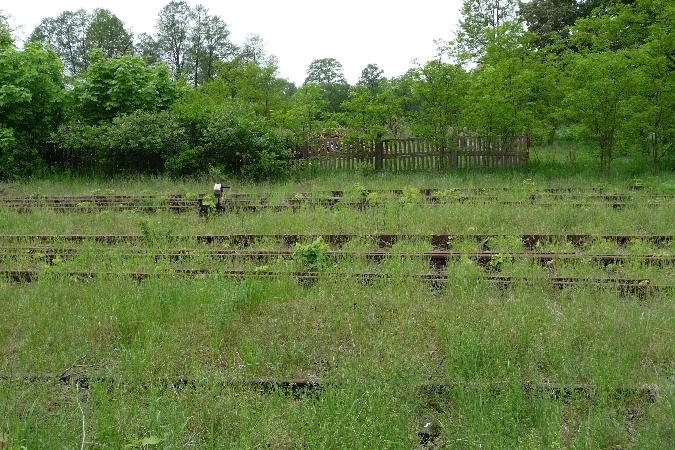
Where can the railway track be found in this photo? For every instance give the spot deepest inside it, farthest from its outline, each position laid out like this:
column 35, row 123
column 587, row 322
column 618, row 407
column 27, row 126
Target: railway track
column 252, row 202
column 299, row 387
column 437, row 259
column 639, row 286
column 437, row 241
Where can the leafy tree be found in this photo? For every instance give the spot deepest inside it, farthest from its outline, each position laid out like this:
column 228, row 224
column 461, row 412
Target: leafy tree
column 304, row 115
column 372, row 78
column 597, row 99
column 328, row 74
column 254, row 51
column 217, row 46
column 481, row 20
column 502, row 91
column 173, row 29
column 73, row 34
column 549, row 19
column 440, row 89
column 620, row 84
column 372, row 116
column 106, row 31
column 637, row 40
column 209, row 43
column 6, row 39
column 261, row 87
column 200, row 16
column 148, row 48
column 67, row 34
column 31, row 99
column 325, row 71
column 113, row 86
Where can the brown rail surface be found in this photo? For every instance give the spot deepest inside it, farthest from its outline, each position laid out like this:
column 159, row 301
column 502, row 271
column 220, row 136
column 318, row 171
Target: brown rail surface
column 624, row 285
column 438, row 241
column 430, row 390
column 437, row 259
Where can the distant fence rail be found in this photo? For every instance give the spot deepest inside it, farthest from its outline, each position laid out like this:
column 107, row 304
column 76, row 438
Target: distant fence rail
column 419, row 154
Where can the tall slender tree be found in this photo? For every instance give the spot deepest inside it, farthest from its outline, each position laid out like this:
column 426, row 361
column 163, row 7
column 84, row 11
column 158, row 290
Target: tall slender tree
column 173, row 33
column 67, row 34
column 107, row 32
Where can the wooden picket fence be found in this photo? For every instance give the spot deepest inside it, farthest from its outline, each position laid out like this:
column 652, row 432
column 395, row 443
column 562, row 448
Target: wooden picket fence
column 419, row 154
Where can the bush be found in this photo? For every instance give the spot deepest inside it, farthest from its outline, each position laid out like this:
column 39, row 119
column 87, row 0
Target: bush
column 230, row 140
column 246, row 145
column 16, row 160
column 141, row 142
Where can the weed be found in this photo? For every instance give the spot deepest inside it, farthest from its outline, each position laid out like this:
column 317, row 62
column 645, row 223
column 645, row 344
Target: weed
column 314, row 255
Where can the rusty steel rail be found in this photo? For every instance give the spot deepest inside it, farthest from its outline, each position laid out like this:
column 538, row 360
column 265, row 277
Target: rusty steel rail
column 437, row 259
column 609, row 194
column 624, row 285
column 248, row 207
column 438, row 241
column 252, row 204
column 431, row 390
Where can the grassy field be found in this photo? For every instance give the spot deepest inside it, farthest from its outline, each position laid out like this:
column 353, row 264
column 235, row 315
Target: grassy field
column 114, row 344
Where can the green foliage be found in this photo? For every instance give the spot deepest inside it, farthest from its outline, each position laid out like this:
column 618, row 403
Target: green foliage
column 371, row 115
column 372, row 78
column 122, row 85
column 107, row 32
column 6, row 39
column 314, row 255
column 328, row 74
column 480, row 22
column 141, row 142
column 550, row 20
column 503, row 89
column 31, row 99
column 246, row 145
column 15, row 160
column 304, row 115
column 66, row 35
column 440, row 92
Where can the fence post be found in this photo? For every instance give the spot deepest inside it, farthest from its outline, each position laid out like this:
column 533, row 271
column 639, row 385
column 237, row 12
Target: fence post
column 379, row 154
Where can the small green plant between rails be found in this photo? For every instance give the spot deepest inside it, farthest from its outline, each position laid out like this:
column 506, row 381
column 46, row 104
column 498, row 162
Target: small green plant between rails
column 314, row 255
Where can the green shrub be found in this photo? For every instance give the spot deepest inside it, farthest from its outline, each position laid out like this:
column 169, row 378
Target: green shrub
column 314, row 256
column 16, row 160
column 143, row 142
column 246, row 145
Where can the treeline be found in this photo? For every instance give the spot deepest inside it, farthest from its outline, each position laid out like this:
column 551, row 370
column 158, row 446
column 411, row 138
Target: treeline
column 84, row 94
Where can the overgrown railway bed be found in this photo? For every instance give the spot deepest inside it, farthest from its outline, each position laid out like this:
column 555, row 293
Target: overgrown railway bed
column 255, row 311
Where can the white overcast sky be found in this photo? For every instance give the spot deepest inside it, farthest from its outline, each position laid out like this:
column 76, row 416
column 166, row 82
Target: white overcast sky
column 389, row 33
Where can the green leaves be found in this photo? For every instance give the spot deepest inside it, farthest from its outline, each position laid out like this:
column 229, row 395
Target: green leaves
column 314, row 255
column 113, row 86
column 148, row 441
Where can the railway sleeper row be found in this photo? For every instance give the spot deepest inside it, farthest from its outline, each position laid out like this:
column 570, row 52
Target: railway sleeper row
column 438, row 260
column 438, row 241
column 640, row 287
column 431, row 391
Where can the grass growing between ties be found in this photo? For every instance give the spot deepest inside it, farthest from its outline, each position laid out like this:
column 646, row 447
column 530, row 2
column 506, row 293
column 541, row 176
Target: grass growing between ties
column 365, row 352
